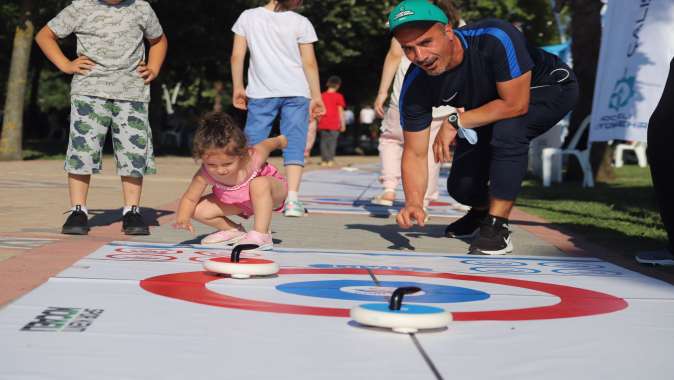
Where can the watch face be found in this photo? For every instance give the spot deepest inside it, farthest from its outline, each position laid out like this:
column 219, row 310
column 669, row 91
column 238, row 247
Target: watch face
column 452, row 118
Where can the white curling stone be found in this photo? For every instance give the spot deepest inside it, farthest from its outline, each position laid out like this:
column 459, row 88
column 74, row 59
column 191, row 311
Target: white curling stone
column 409, row 319
column 245, row 268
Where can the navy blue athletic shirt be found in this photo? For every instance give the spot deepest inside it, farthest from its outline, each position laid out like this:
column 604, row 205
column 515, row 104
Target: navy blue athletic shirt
column 494, row 51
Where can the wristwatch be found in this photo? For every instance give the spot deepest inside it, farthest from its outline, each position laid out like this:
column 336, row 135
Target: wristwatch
column 453, row 120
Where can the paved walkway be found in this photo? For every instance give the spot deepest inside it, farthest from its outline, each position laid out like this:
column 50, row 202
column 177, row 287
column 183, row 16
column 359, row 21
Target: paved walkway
column 34, row 197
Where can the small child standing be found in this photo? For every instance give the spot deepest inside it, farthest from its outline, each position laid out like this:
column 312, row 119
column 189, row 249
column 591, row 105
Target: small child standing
column 110, row 89
column 243, row 184
column 332, row 123
column 282, row 79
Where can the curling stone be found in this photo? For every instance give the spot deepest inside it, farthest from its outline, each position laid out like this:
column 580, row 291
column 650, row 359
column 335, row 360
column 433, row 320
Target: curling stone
column 238, row 267
column 401, row 318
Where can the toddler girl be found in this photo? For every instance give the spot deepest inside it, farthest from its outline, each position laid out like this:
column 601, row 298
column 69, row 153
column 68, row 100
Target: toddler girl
column 242, row 182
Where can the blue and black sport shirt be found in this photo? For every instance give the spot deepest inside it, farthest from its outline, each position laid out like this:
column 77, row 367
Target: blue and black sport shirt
column 494, row 51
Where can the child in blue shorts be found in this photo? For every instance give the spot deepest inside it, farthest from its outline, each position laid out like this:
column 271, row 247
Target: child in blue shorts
column 282, row 78
column 110, row 89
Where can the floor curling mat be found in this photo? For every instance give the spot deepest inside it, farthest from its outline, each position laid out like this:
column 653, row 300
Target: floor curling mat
column 146, row 311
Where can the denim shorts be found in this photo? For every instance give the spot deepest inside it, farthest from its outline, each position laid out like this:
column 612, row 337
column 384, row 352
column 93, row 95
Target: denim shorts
column 294, row 124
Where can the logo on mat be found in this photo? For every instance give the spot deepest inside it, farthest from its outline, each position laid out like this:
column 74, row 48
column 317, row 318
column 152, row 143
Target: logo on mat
column 63, row 319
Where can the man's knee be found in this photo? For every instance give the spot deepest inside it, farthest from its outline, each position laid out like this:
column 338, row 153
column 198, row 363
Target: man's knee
column 467, row 191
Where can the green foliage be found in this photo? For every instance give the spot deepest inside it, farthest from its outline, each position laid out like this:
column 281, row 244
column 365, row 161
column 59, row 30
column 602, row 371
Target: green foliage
column 353, row 41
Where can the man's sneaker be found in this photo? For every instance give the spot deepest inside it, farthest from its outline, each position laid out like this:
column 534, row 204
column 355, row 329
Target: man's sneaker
column 664, row 258
column 293, row 208
column 467, row 226
column 494, row 237
column 263, row 241
column 77, row 222
column 230, row 236
column 133, row 223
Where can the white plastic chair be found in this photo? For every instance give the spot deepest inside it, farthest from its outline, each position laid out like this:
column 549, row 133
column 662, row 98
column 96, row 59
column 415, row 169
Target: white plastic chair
column 638, row 147
column 583, row 157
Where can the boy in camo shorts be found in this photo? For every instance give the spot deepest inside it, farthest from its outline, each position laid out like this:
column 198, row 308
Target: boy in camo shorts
column 110, row 89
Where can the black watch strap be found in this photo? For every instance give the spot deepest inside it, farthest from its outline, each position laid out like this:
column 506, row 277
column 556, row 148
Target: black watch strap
column 453, row 120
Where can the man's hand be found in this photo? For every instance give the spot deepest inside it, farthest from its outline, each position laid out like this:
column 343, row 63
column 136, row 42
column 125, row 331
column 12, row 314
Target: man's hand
column 183, row 225
column 379, row 104
column 81, row 65
column 445, row 137
column 146, row 72
column 316, row 108
column 409, row 214
column 239, row 99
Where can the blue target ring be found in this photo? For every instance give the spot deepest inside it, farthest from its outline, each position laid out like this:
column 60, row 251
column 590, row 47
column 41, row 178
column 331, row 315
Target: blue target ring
column 367, row 291
column 404, row 309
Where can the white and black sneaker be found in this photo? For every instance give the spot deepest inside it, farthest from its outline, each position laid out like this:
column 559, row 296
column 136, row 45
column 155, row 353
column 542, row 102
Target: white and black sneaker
column 77, row 222
column 133, row 223
column 494, row 239
column 467, row 226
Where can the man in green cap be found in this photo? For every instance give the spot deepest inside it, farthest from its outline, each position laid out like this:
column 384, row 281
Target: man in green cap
column 507, row 93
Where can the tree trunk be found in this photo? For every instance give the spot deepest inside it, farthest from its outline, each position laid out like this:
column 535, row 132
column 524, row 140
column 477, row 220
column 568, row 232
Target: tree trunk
column 12, row 127
column 586, row 41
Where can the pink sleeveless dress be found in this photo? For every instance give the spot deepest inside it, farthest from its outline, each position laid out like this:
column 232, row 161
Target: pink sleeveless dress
column 239, row 195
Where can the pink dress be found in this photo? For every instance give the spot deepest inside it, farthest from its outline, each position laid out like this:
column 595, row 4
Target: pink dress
column 239, row 195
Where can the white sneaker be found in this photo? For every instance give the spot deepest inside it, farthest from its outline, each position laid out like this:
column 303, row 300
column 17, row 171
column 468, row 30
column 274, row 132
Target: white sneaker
column 381, row 200
column 293, row 208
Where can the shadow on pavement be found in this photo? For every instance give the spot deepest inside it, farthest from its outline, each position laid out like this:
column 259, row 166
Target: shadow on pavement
column 108, row 217
column 394, row 234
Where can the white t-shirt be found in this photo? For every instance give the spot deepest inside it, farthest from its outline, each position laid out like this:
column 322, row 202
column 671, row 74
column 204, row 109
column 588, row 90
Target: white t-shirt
column 438, row 112
column 273, row 39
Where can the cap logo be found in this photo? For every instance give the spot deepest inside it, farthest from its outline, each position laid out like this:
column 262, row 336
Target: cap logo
column 402, row 14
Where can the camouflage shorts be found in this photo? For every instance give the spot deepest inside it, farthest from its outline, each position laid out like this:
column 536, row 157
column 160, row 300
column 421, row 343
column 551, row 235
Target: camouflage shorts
column 90, row 118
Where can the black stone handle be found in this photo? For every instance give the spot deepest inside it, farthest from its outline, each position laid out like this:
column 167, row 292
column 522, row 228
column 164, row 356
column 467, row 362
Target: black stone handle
column 234, row 258
column 397, row 296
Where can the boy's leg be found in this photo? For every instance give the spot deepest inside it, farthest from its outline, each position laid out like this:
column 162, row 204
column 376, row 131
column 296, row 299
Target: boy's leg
column 332, row 144
column 88, row 126
column 294, row 123
column 78, row 188
column 261, row 115
column 324, row 146
column 132, row 142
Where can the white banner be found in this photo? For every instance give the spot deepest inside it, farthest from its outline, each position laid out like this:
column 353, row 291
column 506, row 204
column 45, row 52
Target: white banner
column 637, row 45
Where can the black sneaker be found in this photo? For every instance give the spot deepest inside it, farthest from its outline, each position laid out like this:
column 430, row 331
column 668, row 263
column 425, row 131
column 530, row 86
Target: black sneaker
column 77, row 222
column 494, row 238
column 133, row 223
column 466, row 226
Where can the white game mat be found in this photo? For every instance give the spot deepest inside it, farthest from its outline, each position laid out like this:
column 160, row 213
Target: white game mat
column 149, row 311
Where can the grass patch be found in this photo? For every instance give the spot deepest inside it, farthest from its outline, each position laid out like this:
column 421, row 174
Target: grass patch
column 620, row 215
column 44, row 150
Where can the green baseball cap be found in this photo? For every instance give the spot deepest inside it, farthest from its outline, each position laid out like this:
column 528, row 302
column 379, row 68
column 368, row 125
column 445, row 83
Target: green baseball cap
column 413, row 11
